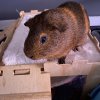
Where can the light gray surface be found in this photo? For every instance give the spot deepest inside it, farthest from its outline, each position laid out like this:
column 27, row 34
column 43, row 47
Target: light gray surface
column 8, row 7
column 5, row 23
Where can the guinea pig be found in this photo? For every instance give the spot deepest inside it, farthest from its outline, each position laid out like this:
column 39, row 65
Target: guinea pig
column 55, row 32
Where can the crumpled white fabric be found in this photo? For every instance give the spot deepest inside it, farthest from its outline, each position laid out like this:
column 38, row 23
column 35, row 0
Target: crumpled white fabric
column 14, row 54
column 88, row 52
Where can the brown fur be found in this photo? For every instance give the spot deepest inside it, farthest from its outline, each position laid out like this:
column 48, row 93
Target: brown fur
column 64, row 28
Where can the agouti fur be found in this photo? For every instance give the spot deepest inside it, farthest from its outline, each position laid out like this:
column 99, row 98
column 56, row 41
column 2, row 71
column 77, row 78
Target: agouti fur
column 55, row 32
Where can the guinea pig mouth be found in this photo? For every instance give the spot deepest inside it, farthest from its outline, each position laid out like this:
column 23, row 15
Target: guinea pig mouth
column 33, row 55
column 27, row 53
column 30, row 56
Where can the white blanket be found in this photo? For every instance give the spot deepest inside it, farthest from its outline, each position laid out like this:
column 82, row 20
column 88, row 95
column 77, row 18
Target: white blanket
column 14, row 53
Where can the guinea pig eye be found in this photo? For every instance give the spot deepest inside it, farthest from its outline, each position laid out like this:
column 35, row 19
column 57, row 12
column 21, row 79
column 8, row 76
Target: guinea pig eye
column 43, row 39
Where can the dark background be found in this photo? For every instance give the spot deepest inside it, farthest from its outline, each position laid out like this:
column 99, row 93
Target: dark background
column 8, row 7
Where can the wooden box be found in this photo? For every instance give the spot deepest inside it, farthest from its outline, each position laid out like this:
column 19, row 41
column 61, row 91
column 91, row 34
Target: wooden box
column 32, row 82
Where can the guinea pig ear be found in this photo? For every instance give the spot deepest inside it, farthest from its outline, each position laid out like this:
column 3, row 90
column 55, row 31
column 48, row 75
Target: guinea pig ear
column 29, row 23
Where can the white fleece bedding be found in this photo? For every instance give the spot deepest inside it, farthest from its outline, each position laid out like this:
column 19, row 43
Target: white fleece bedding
column 14, row 53
column 86, row 52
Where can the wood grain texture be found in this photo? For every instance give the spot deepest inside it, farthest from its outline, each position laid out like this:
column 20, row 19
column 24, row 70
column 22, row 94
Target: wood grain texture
column 26, row 80
column 80, row 67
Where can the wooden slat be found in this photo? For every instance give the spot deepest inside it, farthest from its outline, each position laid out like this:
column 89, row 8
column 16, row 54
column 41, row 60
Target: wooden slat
column 24, row 82
column 9, row 34
column 80, row 67
column 15, row 79
column 37, row 96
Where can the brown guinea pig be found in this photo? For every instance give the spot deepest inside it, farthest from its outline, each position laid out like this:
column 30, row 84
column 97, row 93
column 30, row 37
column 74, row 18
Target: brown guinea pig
column 55, row 32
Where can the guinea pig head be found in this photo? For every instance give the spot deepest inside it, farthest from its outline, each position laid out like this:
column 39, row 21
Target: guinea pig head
column 45, row 35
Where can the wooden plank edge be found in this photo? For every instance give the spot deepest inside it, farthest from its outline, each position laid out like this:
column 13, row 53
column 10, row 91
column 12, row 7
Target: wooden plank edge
column 80, row 67
column 95, row 41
